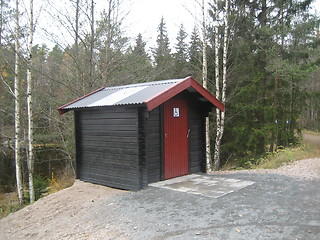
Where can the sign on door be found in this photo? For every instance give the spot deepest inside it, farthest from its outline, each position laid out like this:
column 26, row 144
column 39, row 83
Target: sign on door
column 176, row 112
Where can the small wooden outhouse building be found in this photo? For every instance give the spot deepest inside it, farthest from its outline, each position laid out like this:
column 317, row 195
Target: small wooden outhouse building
column 132, row 135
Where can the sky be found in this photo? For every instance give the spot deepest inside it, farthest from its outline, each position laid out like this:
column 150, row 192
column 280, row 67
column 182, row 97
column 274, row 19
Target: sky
column 143, row 16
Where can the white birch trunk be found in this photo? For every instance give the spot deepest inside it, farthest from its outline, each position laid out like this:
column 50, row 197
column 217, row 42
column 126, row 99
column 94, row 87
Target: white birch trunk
column 17, row 130
column 217, row 78
column 30, row 155
column 224, row 64
column 205, row 85
column 221, row 115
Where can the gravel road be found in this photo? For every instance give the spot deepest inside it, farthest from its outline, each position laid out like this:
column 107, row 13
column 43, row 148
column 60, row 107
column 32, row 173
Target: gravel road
column 281, row 204
column 308, row 169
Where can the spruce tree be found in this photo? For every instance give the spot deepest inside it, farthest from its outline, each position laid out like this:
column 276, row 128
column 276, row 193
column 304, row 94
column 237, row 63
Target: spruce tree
column 195, row 50
column 180, row 57
column 138, row 62
column 140, row 47
column 269, row 60
column 162, row 53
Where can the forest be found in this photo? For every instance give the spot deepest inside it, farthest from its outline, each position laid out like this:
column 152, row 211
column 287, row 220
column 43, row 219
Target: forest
column 260, row 58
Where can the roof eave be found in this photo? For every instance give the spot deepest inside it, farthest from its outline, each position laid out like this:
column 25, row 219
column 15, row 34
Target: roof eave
column 61, row 109
column 207, row 95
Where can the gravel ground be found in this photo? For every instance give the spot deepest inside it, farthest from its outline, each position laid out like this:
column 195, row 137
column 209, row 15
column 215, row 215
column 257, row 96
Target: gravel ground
column 308, row 169
column 282, row 204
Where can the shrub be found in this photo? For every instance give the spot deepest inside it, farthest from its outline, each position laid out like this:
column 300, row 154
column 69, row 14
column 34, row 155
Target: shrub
column 40, row 187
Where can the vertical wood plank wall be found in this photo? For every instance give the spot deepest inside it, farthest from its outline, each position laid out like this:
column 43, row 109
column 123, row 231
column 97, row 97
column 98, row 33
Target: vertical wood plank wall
column 197, row 137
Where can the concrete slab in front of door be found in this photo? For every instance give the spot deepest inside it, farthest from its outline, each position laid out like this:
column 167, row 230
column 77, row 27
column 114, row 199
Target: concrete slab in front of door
column 204, row 185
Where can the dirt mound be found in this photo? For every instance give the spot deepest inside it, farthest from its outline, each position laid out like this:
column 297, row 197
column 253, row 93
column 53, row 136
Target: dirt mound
column 68, row 214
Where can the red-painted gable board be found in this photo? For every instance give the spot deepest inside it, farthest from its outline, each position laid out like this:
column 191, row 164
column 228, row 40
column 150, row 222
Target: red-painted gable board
column 179, row 87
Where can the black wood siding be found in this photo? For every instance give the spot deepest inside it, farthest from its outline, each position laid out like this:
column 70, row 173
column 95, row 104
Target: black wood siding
column 107, row 146
column 153, row 145
column 122, row 147
column 196, row 137
column 154, row 140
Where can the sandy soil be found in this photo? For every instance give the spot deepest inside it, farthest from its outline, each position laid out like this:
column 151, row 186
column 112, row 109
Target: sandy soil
column 68, row 214
column 311, row 138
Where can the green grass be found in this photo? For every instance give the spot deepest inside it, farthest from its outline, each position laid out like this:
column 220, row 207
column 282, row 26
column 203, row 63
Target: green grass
column 9, row 202
column 278, row 158
column 284, row 156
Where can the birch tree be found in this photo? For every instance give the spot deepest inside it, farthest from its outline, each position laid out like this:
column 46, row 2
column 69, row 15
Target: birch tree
column 205, row 85
column 17, row 119
column 220, row 90
column 30, row 156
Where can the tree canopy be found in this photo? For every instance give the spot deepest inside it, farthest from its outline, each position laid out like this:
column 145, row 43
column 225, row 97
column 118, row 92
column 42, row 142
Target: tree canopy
column 272, row 70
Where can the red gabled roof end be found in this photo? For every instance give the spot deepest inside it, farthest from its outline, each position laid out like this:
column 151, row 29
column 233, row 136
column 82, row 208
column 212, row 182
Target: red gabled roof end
column 162, row 97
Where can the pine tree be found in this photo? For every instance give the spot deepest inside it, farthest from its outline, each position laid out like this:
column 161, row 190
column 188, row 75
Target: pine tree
column 140, row 47
column 181, row 46
column 195, row 50
column 181, row 55
column 162, row 53
column 269, row 61
column 137, row 64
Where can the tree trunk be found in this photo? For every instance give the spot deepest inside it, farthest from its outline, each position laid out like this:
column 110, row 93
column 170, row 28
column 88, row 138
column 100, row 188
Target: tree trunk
column 30, row 156
column 217, row 78
column 205, row 85
column 92, row 39
column 219, row 114
column 17, row 130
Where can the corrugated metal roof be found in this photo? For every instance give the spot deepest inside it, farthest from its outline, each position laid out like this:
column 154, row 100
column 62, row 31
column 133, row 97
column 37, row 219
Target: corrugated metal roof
column 123, row 95
column 150, row 93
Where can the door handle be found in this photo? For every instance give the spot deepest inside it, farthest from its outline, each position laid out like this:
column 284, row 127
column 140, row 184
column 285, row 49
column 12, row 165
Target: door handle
column 188, row 133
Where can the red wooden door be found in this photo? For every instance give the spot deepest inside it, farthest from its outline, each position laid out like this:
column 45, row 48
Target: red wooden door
column 176, row 154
